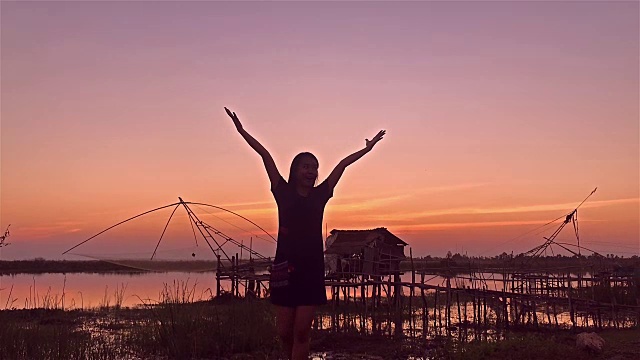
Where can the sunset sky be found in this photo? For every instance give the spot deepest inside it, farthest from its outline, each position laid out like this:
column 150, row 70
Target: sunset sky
column 500, row 117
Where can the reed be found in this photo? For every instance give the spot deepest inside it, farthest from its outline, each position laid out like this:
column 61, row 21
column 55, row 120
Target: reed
column 50, row 334
column 119, row 296
column 526, row 346
column 10, row 300
column 182, row 326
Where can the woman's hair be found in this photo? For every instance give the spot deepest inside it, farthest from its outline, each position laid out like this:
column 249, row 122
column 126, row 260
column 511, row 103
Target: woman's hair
column 295, row 163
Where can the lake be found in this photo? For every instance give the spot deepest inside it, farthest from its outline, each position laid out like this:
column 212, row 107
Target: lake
column 89, row 290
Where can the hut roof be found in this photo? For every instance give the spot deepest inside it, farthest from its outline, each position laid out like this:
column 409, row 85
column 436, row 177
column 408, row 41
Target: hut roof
column 352, row 241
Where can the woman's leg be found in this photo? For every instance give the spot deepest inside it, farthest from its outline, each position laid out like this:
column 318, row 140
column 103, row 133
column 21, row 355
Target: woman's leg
column 301, row 329
column 285, row 317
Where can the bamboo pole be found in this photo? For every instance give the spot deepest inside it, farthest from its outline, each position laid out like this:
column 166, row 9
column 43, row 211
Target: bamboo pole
column 435, row 308
column 411, row 291
column 448, row 309
column 459, row 313
column 486, row 322
column 425, row 310
column 218, row 270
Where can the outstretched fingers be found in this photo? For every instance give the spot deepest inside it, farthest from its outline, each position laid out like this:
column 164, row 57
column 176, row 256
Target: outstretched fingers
column 375, row 139
column 234, row 117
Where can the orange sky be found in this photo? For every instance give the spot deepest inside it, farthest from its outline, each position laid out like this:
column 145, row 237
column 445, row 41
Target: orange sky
column 500, row 117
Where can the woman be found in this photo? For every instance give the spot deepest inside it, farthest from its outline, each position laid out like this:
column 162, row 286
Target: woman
column 297, row 276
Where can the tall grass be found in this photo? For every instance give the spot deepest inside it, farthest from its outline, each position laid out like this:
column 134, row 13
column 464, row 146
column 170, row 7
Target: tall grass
column 10, row 299
column 526, row 346
column 118, row 297
column 50, row 334
column 48, row 300
column 181, row 326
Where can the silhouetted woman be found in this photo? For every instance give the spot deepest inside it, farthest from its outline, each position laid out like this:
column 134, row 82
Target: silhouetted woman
column 297, row 275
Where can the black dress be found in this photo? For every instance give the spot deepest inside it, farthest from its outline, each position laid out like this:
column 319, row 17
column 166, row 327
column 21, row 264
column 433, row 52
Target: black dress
column 300, row 243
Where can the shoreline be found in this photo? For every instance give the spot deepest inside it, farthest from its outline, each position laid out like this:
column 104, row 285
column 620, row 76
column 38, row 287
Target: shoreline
column 450, row 265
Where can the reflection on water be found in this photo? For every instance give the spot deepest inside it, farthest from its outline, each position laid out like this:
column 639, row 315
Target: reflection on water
column 84, row 290
column 428, row 326
column 93, row 290
column 400, row 325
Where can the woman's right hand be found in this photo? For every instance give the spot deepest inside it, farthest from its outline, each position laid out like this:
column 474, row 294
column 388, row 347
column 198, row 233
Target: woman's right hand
column 235, row 119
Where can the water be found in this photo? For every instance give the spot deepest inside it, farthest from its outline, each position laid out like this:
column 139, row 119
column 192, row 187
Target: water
column 94, row 290
column 91, row 290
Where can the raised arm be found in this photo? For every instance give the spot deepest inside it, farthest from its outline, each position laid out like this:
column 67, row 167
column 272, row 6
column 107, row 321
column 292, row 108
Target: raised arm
column 269, row 164
column 337, row 172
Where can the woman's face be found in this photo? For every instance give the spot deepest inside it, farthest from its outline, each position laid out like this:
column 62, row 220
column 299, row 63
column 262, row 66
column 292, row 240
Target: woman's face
column 307, row 172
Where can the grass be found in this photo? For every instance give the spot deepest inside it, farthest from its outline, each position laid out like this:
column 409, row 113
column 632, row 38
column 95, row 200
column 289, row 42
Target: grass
column 56, row 301
column 49, row 334
column 202, row 330
column 182, row 324
column 528, row 346
column 620, row 344
column 235, row 328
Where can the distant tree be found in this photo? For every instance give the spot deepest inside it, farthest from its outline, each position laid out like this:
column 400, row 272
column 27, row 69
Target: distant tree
column 457, row 257
column 4, row 237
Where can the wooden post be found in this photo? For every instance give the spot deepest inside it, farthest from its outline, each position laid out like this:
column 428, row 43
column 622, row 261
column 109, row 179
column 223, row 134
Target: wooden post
column 464, row 314
column 389, row 298
column 233, row 273
column 374, row 293
column 425, row 310
column 411, row 290
column 435, row 308
column 439, row 314
column 448, row 309
column 475, row 314
column 505, row 309
column 571, row 314
column 459, row 313
column 486, row 322
column 389, row 302
column 363, row 295
column 379, row 291
column 345, row 293
column 218, row 270
column 333, row 297
column 397, row 290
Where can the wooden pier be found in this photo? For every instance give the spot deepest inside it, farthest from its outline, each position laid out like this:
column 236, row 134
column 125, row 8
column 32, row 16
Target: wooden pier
column 454, row 297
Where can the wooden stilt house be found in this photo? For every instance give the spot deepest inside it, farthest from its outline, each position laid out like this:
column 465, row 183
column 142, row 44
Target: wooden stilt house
column 372, row 252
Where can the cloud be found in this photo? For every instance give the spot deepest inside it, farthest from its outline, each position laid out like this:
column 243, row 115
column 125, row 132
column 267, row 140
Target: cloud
column 415, row 215
column 365, row 202
column 453, row 225
column 249, row 204
column 348, row 203
column 47, row 230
